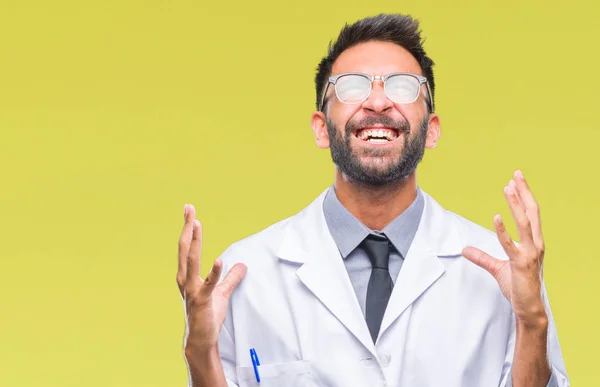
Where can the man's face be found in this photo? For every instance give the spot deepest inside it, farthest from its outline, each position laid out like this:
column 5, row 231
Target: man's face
column 358, row 157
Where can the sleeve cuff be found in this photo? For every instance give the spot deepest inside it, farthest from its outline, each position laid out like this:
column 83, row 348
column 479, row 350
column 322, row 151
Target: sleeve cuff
column 555, row 380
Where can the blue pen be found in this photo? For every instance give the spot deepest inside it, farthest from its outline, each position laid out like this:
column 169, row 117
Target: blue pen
column 255, row 363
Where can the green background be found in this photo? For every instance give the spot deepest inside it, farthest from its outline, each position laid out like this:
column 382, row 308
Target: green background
column 114, row 114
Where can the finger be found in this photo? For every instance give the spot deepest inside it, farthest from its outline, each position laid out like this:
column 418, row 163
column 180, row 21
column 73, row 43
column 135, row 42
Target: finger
column 233, row 279
column 505, row 240
column 513, row 185
column 185, row 239
column 524, row 190
column 213, row 276
column 518, row 212
column 532, row 208
column 193, row 258
column 483, row 260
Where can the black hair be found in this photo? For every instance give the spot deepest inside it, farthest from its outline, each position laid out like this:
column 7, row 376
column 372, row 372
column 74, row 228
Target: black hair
column 402, row 30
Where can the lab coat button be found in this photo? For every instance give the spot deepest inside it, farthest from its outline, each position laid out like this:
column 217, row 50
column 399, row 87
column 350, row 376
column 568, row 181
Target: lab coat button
column 384, row 359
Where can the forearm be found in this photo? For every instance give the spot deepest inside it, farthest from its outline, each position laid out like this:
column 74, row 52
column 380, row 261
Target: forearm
column 205, row 368
column 530, row 366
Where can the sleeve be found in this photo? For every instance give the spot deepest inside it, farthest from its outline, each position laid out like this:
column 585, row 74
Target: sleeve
column 227, row 351
column 559, row 376
column 226, row 335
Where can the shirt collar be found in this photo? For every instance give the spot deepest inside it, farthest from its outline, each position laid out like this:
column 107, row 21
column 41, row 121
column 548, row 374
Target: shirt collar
column 348, row 232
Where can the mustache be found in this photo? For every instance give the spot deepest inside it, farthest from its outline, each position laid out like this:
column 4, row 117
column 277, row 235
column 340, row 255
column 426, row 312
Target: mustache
column 402, row 126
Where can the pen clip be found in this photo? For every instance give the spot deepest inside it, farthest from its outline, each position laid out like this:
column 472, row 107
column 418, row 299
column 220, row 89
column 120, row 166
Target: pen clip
column 255, row 363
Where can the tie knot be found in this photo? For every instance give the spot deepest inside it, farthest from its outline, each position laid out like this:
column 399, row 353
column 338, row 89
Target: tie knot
column 378, row 250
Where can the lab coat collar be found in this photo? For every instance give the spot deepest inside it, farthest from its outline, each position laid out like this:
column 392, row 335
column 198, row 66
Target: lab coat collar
column 307, row 241
column 437, row 239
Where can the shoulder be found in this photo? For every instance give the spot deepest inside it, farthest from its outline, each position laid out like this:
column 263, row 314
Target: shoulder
column 262, row 247
column 256, row 247
column 473, row 234
column 469, row 232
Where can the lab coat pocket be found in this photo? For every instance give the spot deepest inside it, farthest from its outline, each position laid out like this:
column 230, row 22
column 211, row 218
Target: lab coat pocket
column 290, row 374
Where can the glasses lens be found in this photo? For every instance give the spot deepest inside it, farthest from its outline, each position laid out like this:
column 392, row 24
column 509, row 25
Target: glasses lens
column 402, row 88
column 352, row 88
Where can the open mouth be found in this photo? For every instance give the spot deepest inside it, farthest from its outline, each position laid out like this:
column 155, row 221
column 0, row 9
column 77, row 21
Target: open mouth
column 377, row 135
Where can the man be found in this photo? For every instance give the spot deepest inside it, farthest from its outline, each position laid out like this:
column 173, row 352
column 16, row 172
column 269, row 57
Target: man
column 374, row 283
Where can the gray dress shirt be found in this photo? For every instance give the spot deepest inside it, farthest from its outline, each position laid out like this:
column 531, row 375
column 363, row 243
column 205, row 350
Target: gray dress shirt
column 348, row 232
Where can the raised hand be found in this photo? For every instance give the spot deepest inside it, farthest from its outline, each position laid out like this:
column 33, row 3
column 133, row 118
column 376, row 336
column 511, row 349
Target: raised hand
column 205, row 301
column 520, row 278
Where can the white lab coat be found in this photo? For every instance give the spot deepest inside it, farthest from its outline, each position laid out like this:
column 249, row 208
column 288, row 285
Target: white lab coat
column 447, row 323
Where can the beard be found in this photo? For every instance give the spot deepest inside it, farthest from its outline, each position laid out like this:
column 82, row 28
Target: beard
column 349, row 163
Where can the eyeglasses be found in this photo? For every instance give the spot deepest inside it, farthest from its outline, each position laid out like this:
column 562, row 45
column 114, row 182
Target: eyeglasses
column 355, row 88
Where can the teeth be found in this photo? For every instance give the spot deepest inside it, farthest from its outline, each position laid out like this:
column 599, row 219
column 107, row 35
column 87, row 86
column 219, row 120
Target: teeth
column 378, row 134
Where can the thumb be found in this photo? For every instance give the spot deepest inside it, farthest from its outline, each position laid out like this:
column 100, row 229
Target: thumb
column 233, row 278
column 483, row 260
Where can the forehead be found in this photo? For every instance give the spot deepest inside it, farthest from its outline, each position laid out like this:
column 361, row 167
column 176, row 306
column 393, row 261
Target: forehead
column 376, row 58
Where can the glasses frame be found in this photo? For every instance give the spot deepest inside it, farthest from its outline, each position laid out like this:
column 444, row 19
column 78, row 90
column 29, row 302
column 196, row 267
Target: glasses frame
column 333, row 80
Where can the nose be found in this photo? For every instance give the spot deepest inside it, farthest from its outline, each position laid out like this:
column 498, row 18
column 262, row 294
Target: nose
column 377, row 102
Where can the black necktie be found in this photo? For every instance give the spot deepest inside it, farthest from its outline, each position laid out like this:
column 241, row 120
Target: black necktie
column 380, row 283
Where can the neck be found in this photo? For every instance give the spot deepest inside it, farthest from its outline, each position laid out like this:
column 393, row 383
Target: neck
column 375, row 206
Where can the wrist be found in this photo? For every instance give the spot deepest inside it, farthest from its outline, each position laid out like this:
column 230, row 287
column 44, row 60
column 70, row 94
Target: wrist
column 200, row 344
column 195, row 354
column 533, row 323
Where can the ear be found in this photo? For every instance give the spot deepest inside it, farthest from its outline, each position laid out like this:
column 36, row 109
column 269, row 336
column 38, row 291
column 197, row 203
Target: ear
column 433, row 131
column 319, row 127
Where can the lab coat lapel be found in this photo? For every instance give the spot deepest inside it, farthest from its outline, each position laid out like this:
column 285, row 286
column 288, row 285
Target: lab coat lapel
column 307, row 241
column 436, row 236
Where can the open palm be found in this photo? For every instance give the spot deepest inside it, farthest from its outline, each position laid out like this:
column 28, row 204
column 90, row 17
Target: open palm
column 519, row 278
